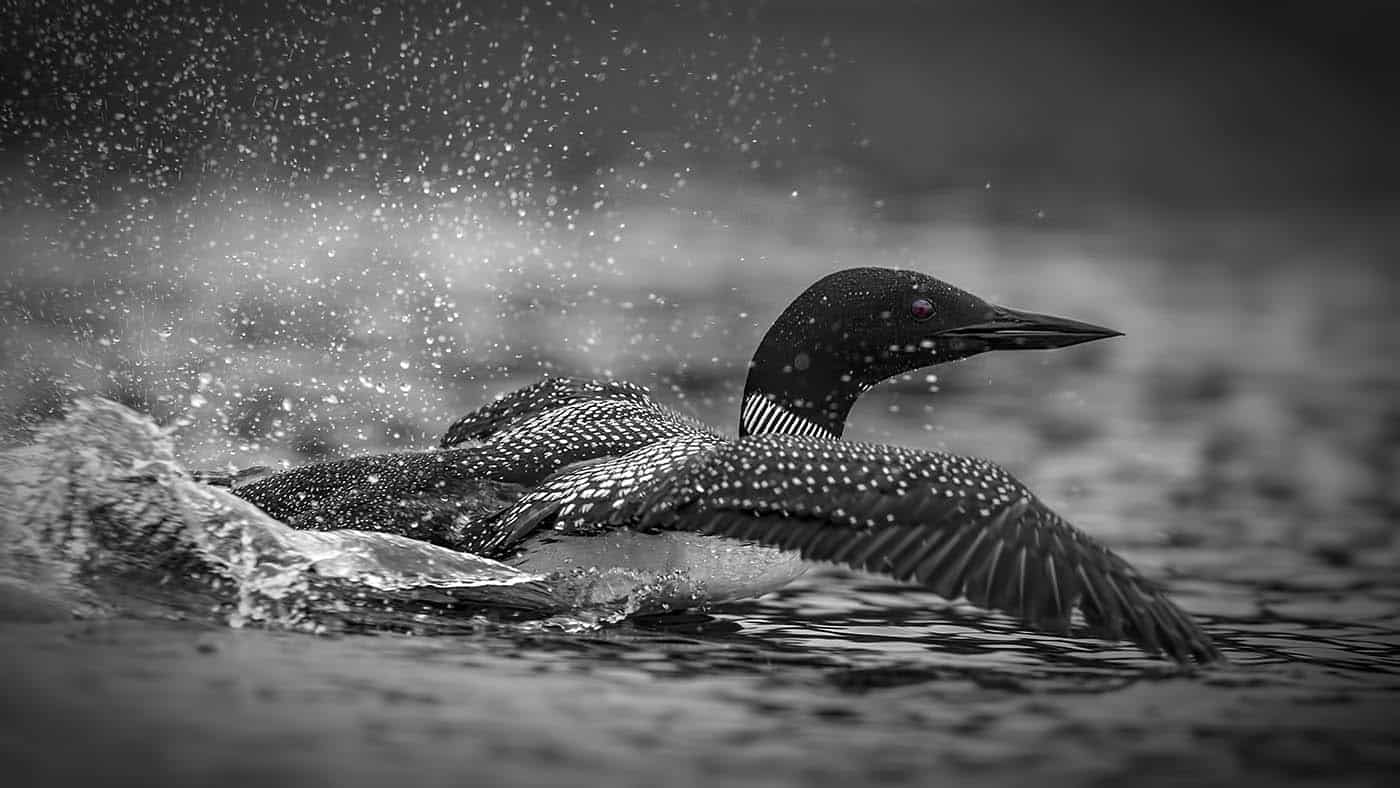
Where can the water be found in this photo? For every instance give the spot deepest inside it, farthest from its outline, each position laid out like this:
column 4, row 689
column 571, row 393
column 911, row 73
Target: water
column 836, row 680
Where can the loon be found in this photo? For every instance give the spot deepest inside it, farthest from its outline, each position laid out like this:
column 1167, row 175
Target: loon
column 569, row 472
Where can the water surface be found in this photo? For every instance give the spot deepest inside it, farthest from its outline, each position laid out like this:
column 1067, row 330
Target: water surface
column 838, row 679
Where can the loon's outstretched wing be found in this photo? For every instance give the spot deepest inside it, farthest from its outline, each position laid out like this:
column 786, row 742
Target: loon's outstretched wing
column 548, row 394
column 414, row 494
column 959, row 526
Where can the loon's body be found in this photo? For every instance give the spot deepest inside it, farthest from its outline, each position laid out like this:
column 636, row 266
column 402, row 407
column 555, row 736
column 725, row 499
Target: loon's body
column 571, row 473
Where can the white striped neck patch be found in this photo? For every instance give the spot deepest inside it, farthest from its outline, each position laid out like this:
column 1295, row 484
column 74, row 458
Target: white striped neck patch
column 760, row 415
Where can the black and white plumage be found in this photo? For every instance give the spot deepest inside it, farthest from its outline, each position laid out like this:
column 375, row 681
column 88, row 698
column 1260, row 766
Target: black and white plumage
column 516, row 443
column 550, row 472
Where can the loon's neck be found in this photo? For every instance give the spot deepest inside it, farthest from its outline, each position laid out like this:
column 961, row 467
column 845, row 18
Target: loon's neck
column 764, row 414
column 804, row 394
column 812, row 365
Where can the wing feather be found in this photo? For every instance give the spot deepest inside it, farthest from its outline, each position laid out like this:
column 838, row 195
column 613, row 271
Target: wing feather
column 988, row 575
column 548, row 394
column 955, row 525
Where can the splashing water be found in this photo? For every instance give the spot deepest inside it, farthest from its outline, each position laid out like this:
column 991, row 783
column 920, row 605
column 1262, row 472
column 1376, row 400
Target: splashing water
column 99, row 496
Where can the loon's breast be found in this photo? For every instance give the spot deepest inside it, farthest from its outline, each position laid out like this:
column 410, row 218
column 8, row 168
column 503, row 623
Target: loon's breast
column 664, row 570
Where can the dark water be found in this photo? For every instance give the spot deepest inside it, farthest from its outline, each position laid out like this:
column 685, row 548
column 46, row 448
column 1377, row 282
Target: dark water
column 838, row 679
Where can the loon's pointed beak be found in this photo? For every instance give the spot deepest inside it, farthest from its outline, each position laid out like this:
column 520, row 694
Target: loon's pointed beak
column 1011, row 329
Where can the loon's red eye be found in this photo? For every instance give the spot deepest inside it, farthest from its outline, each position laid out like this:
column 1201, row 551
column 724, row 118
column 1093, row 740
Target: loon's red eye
column 921, row 309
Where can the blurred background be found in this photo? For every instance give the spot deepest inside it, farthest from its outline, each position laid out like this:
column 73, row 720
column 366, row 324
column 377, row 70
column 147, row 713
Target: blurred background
column 293, row 231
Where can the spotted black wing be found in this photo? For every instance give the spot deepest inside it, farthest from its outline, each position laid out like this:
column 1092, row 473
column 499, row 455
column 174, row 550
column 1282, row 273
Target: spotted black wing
column 548, row 394
column 414, row 494
column 959, row 526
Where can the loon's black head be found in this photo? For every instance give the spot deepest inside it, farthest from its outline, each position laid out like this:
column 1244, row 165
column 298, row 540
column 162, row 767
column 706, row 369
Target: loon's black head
column 855, row 328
